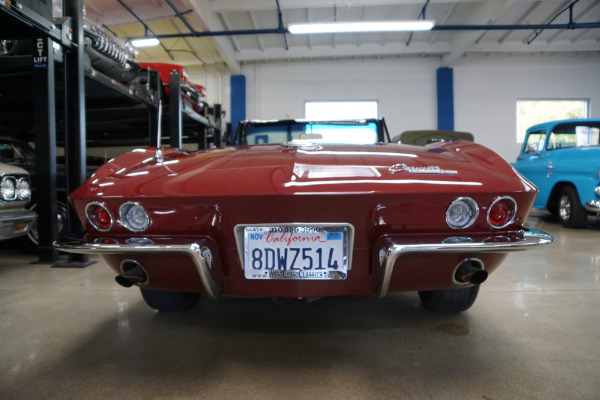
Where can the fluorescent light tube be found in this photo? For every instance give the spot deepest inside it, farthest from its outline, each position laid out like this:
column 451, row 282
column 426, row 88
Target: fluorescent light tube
column 343, row 27
column 149, row 42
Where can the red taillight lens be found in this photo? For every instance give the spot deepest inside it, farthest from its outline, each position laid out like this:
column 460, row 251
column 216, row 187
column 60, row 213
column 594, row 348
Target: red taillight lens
column 502, row 212
column 99, row 217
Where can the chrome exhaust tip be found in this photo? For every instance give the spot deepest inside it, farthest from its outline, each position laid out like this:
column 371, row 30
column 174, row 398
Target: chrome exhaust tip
column 132, row 273
column 470, row 271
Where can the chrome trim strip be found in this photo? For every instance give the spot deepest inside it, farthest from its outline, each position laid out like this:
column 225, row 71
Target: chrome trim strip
column 531, row 238
column 593, row 206
column 193, row 250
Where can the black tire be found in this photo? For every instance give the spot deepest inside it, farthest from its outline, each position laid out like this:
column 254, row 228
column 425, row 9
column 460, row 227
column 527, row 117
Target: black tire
column 570, row 211
column 553, row 209
column 32, row 238
column 138, row 84
column 163, row 300
column 450, row 300
column 15, row 47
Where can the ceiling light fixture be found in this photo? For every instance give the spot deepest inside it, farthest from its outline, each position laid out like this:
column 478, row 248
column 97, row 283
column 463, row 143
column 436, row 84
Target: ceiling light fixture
column 347, row 27
column 147, row 42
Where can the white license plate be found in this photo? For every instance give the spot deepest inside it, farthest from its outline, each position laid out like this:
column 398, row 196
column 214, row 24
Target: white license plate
column 305, row 252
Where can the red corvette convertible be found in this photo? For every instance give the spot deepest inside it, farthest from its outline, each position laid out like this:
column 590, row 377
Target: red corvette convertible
column 313, row 209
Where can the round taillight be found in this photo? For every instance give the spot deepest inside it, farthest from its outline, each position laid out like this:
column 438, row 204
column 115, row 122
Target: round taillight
column 462, row 213
column 99, row 217
column 134, row 217
column 502, row 212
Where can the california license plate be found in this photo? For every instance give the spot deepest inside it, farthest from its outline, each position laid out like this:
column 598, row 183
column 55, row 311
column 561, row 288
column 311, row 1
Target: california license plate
column 311, row 252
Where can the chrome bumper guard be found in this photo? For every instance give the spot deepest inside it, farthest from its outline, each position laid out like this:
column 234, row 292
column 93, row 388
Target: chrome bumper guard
column 15, row 223
column 593, row 206
column 501, row 244
column 193, row 250
column 19, row 216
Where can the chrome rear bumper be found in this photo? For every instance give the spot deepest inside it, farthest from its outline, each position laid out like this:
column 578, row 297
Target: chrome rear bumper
column 195, row 251
column 390, row 252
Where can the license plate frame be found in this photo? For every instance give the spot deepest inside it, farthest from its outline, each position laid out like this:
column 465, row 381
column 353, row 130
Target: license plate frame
column 335, row 244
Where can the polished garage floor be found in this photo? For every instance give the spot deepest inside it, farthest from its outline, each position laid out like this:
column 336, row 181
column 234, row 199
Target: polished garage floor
column 533, row 333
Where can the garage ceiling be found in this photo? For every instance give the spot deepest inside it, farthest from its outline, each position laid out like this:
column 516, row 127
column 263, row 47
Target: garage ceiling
column 510, row 28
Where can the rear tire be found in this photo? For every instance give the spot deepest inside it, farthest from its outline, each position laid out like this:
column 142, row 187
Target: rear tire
column 163, row 300
column 449, row 300
column 32, row 239
column 570, row 211
column 138, row 84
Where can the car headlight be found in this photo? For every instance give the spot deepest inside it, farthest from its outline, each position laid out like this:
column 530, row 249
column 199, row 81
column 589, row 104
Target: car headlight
column 134, row 217
column 462, row 213
column 23, row 189
column 7, row 188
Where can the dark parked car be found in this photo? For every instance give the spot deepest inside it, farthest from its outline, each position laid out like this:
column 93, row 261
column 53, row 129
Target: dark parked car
column 562, row 158
column 321, row 209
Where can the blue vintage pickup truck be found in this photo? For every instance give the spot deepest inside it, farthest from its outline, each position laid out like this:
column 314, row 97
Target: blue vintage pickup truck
column 562, row 158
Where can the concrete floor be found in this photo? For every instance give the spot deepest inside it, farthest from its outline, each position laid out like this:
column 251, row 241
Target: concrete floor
column 533, row 333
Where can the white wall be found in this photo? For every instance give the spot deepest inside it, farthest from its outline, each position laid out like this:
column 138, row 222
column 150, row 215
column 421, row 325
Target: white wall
column 216, row 81
column 485, row 90
column 404, row 88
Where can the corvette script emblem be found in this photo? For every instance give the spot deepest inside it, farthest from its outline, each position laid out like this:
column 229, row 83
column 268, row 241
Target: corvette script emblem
column 432, row 169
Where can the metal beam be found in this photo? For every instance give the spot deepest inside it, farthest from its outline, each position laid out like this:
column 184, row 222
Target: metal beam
column 261, row 5
column 489, row 11
column 75, row 122
column 206, row 17
column 279, row 31
column 45, row 148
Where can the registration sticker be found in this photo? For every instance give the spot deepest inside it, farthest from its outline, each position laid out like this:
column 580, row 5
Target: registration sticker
column 303, row 252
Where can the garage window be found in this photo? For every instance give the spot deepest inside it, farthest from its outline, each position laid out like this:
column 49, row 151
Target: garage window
column 532, row 112
column 339, row 110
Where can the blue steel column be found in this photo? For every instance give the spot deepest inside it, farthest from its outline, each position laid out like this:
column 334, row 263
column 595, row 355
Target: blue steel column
column 238, row 101
column 445, row 99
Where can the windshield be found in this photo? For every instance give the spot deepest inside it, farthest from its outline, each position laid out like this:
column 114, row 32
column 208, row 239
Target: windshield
column 573, row 135
column 354, row 132
column 12, row 151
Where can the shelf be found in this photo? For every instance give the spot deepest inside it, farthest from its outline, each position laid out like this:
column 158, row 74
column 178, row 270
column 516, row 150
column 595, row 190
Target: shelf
column 23, row 23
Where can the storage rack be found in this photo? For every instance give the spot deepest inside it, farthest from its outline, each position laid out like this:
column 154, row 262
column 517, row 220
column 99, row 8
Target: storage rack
column 83, row 110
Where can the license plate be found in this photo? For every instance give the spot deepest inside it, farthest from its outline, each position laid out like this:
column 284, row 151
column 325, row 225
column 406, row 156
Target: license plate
column 304, row 252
